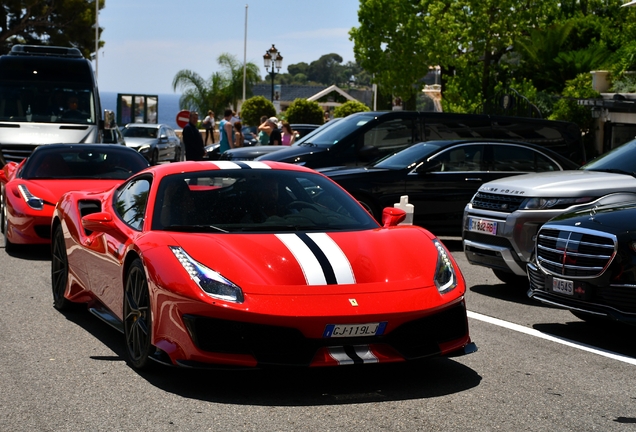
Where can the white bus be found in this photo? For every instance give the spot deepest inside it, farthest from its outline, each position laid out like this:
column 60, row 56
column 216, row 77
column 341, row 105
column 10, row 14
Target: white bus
column 47, row 95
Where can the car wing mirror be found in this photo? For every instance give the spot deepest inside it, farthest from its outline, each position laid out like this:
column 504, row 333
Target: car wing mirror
column 392, row 216
column 109, row 119
column 99, row 222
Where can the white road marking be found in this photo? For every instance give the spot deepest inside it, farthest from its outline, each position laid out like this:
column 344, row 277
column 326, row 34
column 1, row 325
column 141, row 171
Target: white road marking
column 563, row 341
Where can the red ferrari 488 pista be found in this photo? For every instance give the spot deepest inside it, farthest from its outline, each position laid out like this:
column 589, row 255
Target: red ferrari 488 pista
column 252, row 264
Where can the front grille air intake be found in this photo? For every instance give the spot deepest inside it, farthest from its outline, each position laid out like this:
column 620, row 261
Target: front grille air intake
column 496, row 202
column 575, row 252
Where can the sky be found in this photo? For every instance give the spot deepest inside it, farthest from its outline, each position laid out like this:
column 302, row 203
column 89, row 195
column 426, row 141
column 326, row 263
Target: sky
column 148, row 42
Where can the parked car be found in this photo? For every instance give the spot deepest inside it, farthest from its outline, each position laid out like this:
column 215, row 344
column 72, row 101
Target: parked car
column 156, row 142
column 255, row 264
column 440, row 177
column 502, row 219
column 253, row 152
column 585, row 261
column 365, row 137
column 31, row 188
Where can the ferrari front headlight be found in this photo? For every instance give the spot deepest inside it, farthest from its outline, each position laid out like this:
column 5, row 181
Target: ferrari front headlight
column 445, row 277
column 211, row 282
column 32, row 201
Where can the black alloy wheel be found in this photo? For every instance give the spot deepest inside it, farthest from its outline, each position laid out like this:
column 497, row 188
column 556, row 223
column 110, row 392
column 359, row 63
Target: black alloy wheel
column 154, row 157
column 137, row 320
column 59, row 270
column 177, row 154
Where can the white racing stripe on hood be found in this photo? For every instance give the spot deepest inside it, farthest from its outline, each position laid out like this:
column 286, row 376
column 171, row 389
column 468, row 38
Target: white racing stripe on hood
column 308, row 262
column 337, row 258
column 320, row 258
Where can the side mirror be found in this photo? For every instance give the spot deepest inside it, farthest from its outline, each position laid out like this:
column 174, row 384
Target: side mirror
column 109, row 119
column 392, row 216
column 163, row 138
column 99, row 222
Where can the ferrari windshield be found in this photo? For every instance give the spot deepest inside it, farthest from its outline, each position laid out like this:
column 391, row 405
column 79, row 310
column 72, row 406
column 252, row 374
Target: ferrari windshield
column 255, row 200
column 83, row 161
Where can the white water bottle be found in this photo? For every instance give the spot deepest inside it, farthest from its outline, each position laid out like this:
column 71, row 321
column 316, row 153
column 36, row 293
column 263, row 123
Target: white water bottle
column 28, row 113
column 408, row 208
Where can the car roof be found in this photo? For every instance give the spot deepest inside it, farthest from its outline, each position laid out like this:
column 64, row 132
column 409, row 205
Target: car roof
column 148, row 125
column 193, row 166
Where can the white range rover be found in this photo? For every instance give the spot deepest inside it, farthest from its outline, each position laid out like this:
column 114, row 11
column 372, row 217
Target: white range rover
column 501, row 221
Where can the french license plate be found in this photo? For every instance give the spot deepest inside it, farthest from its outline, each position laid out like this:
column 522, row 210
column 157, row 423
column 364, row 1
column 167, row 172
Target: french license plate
column 562, row 286
column 482, row 225
column 354, row 330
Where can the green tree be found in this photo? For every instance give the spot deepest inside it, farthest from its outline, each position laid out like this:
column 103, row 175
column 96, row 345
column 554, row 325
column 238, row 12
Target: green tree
column 254, row 108
column 199, row 94
column 327, row 70
column 297, row 68
column 37, row 22
column 232, row 73
column 304, row 111
column 349, row 107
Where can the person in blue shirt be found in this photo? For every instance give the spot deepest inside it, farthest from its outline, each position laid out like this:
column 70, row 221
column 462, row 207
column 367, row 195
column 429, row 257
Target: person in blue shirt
column 226, row 132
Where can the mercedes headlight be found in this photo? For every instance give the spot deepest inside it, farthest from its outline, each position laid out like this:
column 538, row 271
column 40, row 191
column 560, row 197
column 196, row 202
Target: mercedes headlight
column 445, row 277
column 32, row 201
column 143, row 148
column 552, row 203
column 211, row 282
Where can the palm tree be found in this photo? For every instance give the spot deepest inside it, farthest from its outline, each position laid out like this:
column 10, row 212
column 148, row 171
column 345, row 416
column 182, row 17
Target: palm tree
column 232, row 73
column 199, row 94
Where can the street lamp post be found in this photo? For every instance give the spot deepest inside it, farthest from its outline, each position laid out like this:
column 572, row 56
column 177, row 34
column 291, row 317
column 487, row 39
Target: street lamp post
column 273, row 60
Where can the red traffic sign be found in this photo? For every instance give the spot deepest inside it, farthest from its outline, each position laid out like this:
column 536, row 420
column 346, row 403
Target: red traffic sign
column 183, row 118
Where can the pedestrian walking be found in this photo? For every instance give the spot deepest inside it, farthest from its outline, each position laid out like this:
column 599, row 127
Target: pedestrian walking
column 194, row 148
column 288, row 136
column 208, row 125
column 226, row 132
column 239, row 139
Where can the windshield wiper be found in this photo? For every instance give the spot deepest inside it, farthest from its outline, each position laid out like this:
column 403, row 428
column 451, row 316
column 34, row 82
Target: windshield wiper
column 266, row 227
column 616, row 171
column 195, row 228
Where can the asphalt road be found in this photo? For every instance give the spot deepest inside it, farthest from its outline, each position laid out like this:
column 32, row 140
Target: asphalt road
column 537, row 369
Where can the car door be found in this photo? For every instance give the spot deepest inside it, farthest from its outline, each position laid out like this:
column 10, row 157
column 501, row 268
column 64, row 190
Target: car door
column 389, row 134
column 440, row 188
column 107, row 250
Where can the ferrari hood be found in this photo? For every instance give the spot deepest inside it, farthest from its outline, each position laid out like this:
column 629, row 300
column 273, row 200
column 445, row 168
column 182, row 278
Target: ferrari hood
column 51, row 190
column 316, row 262
column 573, row 183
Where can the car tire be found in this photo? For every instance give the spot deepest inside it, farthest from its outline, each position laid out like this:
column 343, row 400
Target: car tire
column 154, row 157
column 369, row 206
column 511, row 278
column 8, row 246
column 177, row 154
column 59, row 270
column 137, row 316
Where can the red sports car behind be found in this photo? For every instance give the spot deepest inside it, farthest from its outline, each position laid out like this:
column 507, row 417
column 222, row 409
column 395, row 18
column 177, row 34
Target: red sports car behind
column 255, row 264
column 31, row 188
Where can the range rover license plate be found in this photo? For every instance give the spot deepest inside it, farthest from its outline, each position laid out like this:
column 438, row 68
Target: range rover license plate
column 562, row 286
column 482, row 225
